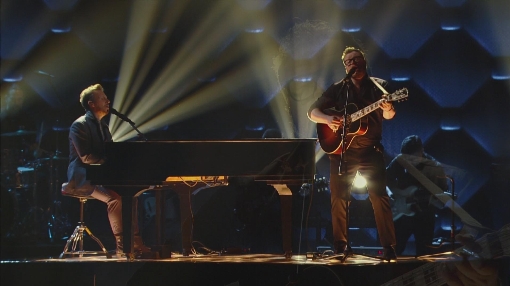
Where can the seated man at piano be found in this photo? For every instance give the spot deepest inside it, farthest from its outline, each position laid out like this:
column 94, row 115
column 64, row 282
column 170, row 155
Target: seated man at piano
column 87, row 138
column 413, row 205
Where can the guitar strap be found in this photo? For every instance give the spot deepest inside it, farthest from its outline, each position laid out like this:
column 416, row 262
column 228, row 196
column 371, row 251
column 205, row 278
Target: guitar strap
column 378, row 85
column 465, row 217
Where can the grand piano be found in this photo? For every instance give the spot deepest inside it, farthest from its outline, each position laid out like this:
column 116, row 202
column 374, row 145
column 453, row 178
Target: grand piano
column 132, row 168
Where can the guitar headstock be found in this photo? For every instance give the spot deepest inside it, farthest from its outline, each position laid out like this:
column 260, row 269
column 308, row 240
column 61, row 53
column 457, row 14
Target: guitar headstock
column 398, row 95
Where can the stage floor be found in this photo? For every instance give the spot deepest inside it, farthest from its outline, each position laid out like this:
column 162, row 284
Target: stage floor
column 205, row 269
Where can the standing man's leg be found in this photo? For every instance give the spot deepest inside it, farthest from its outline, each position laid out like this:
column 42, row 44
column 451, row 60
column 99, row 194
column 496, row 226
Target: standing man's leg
column 373, row 169
column 404, row 227
column 339, row 186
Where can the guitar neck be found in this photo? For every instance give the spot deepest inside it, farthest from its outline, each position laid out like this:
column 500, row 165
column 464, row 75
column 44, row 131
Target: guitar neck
column 365, row 111
column 493, row 245
column 398, row 95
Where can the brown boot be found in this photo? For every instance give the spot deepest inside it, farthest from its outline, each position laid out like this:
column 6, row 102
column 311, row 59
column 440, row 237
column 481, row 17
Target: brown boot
column 120, row 246
column 139, row 246
column 389, row 254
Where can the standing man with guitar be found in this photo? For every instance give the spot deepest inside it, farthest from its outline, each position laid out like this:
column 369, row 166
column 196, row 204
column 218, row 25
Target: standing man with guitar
column 359, row 150
column 414, row 211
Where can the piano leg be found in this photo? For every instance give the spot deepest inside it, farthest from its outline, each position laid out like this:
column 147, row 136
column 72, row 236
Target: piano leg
column 129, row 218
column 184, row 192
column 128, row 213
column 159, row 250
column 286, row 213
column 160, row 216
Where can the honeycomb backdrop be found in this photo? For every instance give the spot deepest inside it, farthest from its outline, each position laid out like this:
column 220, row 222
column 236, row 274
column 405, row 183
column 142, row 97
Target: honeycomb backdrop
column 229, row 69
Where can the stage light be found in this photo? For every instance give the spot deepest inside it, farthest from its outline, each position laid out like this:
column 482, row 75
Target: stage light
column 61, row 30
column 450, row 120
column 351, row 30
column 500, row 77
column 359, row 181
column 303, row 79
column 400, row 78
column 501, row 70
column 12, row 79
column 450, row 27
column 254, row 30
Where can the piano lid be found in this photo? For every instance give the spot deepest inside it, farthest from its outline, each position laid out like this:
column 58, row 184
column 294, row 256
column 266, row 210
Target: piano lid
column 277, row 160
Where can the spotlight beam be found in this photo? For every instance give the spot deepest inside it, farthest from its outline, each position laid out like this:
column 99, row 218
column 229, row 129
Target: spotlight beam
column 141, row 18
column 211, row 97
column 154, row 50
column 177, row 73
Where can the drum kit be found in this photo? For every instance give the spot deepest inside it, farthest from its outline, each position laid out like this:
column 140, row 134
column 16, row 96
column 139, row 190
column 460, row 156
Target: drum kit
column 31, row 180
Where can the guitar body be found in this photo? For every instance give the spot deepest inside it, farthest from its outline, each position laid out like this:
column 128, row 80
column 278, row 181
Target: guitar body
column 399, row 202
column 331, row 141
column 357, row 123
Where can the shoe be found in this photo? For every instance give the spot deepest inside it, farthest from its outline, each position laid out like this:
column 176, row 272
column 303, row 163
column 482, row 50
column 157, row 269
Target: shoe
column 389, row 253
column 119, row 251
column 340, row 247
column 139, row 246
column 348, row 252
column 140, row 249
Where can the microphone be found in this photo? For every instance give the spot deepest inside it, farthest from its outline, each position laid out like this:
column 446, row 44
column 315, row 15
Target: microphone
column 349, row 74
column 44, row 73
column 121, row 116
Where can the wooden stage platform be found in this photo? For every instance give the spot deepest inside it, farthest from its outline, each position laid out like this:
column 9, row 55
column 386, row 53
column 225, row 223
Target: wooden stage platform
column 41, row 265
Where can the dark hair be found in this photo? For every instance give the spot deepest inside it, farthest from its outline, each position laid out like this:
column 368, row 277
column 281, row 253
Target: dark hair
column 411, row 144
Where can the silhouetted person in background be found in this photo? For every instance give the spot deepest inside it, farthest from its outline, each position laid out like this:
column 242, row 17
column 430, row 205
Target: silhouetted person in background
column 414, row 206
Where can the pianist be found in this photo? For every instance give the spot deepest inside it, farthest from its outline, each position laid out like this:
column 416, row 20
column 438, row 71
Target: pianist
column 86, row 146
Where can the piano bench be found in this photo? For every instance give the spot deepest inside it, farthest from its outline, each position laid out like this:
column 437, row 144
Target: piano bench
column 76, row 238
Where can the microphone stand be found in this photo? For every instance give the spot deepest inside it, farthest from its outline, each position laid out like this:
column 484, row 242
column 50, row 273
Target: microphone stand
column 140, row 134
column 125, row 118
column 342, row 170
column 346, row 80
column 452, row 226
column 344, row 132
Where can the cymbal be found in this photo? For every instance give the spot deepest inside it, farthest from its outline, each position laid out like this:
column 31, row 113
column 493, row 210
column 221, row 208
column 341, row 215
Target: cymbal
column 58, row 128
column 56, row 158
column 60, row 158
column 20, row 132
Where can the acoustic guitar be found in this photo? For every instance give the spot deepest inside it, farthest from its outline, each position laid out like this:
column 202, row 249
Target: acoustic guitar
column 331, row 140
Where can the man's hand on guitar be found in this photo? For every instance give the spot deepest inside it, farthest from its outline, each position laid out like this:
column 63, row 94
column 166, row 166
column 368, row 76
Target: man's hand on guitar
column 335, row 123
column 386, row 106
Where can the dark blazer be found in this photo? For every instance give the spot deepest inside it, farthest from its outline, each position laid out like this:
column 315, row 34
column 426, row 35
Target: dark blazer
column 86, row 146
